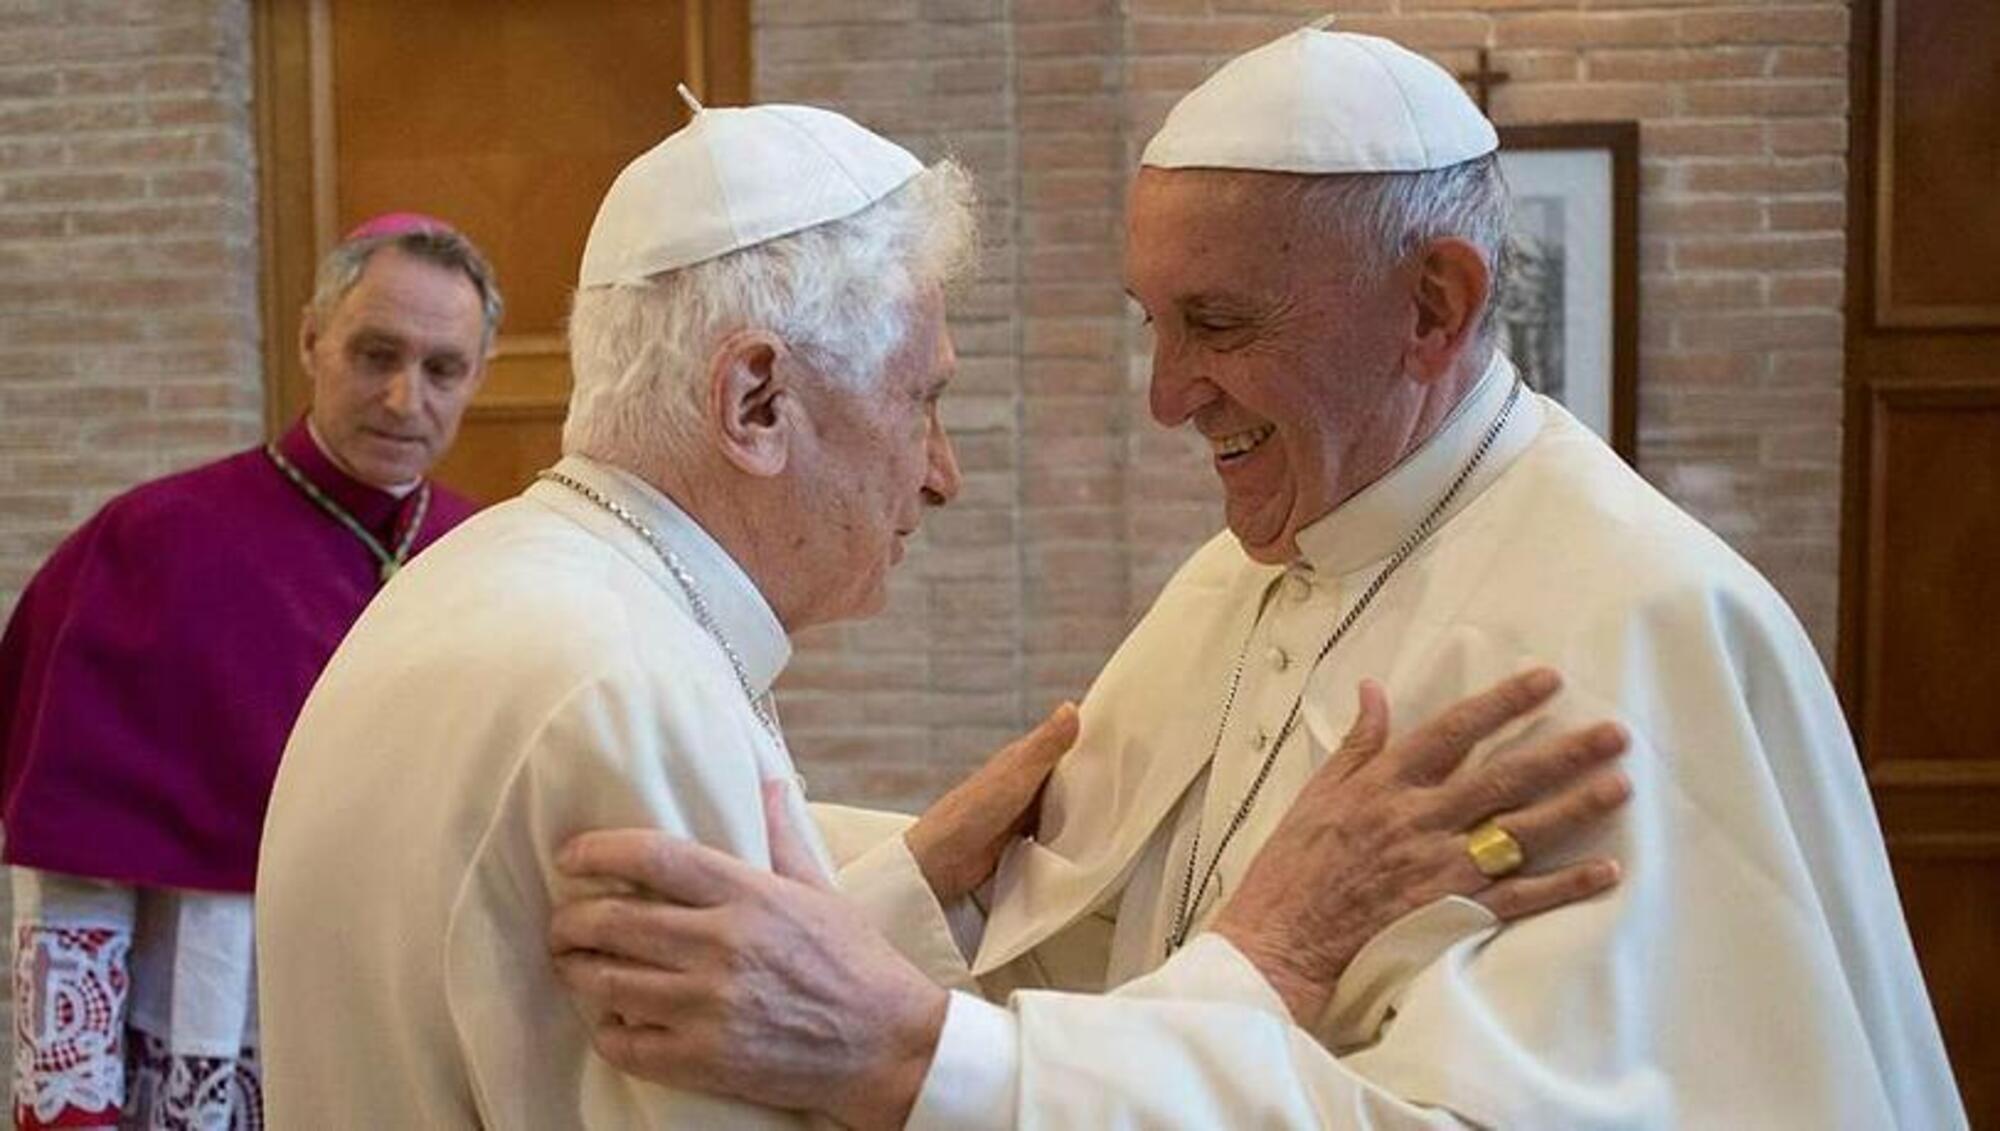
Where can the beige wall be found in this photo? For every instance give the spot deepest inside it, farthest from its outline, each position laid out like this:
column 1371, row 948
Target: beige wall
column 1078, row 507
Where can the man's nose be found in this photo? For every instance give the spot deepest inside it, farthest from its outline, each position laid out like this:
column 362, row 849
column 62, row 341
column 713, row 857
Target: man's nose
column 942, row 482
column 404, row 395
column 1174, row 393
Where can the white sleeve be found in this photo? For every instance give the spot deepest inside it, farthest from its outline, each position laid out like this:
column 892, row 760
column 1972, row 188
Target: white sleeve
column 889, row 888
column 1204, row 1041
column 851, row 831
column 609, row 757
column 972, row 1084
column 879, row 876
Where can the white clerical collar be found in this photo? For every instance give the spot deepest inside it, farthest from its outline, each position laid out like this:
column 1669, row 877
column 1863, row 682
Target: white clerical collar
column 740, row 610
column 1368, row 527
column 400, row 490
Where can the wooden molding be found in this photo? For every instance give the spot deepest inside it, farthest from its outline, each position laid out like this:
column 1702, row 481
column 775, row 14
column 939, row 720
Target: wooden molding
column 1934, row 773
column 1882, row 405
column 530, row 345
column 285, row 247
column 1889, row 310
column 325, row 136
column 1944, row 846
column 725, row 25
column 519, row 410
column 1936, row 394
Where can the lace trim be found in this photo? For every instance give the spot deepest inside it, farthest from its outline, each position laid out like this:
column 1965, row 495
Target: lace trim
column 77, row 1064
column 174, row 1092
column 70, row 987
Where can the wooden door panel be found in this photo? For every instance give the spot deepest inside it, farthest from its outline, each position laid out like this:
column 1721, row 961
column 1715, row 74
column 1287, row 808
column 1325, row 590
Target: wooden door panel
column 507, row 117
column 528, row 212
column 1938, row 216
column 514, row 132
column 1920, row 594
column 1934, row 687
column 1952, row 900
column 504, row 444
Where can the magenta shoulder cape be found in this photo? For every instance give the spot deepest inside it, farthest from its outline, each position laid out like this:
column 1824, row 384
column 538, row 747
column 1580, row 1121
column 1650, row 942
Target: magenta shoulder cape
column 154, row 666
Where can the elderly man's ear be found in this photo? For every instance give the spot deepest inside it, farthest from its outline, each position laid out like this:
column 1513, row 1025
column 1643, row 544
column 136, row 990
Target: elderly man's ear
column 1452, row 285
column 753, row 403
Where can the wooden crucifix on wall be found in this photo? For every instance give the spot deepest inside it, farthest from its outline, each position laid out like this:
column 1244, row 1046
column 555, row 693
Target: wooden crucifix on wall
column 1483, row 79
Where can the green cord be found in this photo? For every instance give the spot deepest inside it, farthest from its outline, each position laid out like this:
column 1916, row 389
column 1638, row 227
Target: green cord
column 390, row 562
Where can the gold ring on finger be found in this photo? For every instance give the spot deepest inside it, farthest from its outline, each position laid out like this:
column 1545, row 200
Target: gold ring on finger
column 1494, row 850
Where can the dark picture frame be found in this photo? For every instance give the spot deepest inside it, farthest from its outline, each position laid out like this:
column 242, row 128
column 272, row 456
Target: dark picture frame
column 1570, row 317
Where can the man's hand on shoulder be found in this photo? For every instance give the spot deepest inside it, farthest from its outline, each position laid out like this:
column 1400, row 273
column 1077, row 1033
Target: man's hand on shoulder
column 763, row 986
column 959, row 840
column 1381, row 829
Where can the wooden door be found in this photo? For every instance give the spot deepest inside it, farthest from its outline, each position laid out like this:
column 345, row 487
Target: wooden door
column 507, row 117
column 1920, row 588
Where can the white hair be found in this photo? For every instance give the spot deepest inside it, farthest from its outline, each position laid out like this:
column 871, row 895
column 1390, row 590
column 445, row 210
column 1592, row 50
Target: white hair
column 1392, row 214
column 843, row 294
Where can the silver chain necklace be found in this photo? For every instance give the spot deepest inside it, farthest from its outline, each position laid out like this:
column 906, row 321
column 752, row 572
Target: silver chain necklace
column 760, row 704
column 1191, row 895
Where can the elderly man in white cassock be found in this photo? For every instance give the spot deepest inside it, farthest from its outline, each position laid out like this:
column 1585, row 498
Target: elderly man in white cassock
column 1315, row 238
column 759, row 349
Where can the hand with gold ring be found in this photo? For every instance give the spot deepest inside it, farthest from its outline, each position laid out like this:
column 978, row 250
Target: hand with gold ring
column 1494, row 850
column 1383, row 828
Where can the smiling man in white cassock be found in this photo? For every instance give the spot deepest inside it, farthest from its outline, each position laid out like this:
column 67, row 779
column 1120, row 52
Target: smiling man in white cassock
column 1315, row 238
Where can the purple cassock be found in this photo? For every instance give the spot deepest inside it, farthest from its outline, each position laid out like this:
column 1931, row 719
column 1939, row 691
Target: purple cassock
column 153, row 668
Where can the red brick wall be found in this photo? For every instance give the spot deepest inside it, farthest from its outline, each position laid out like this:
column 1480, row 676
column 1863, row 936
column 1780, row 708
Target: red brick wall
column 128, row 263
column 1079, row 506
column 942, row 668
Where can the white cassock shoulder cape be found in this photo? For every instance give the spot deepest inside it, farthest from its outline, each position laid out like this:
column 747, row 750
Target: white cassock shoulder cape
column 536, row 674
column 1751, row 970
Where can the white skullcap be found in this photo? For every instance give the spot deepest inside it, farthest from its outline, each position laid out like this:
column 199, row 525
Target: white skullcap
column 734, row 178
column 1320, row 101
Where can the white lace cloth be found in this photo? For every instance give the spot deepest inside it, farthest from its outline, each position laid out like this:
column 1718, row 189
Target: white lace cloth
column 69, row 1003
column 170, row 1091
column 137, row 1001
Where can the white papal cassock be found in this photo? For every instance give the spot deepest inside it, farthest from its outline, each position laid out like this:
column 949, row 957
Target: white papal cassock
column 1751, row 971
column 535, row 676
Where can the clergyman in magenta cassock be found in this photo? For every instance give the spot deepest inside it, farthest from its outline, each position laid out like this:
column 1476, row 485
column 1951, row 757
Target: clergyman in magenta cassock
column 151, row 673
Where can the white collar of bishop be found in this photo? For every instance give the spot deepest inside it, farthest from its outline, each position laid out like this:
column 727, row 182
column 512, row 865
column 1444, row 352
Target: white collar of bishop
column 740, row 611
column 1369, row 526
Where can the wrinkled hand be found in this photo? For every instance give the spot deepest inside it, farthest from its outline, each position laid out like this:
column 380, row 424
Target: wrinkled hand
column 959, row 840
column 764, row 986
column 1377, row 833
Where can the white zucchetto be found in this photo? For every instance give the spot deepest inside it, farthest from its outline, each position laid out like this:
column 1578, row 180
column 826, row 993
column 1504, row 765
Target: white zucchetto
column 733, row 178
column 1320, row 101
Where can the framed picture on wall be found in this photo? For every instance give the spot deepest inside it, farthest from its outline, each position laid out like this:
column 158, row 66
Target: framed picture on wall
column 1570, row 313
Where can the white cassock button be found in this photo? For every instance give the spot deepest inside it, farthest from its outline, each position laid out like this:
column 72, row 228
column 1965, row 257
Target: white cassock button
column 1279, row 659
column 1260, row 741
column 1300, row 585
